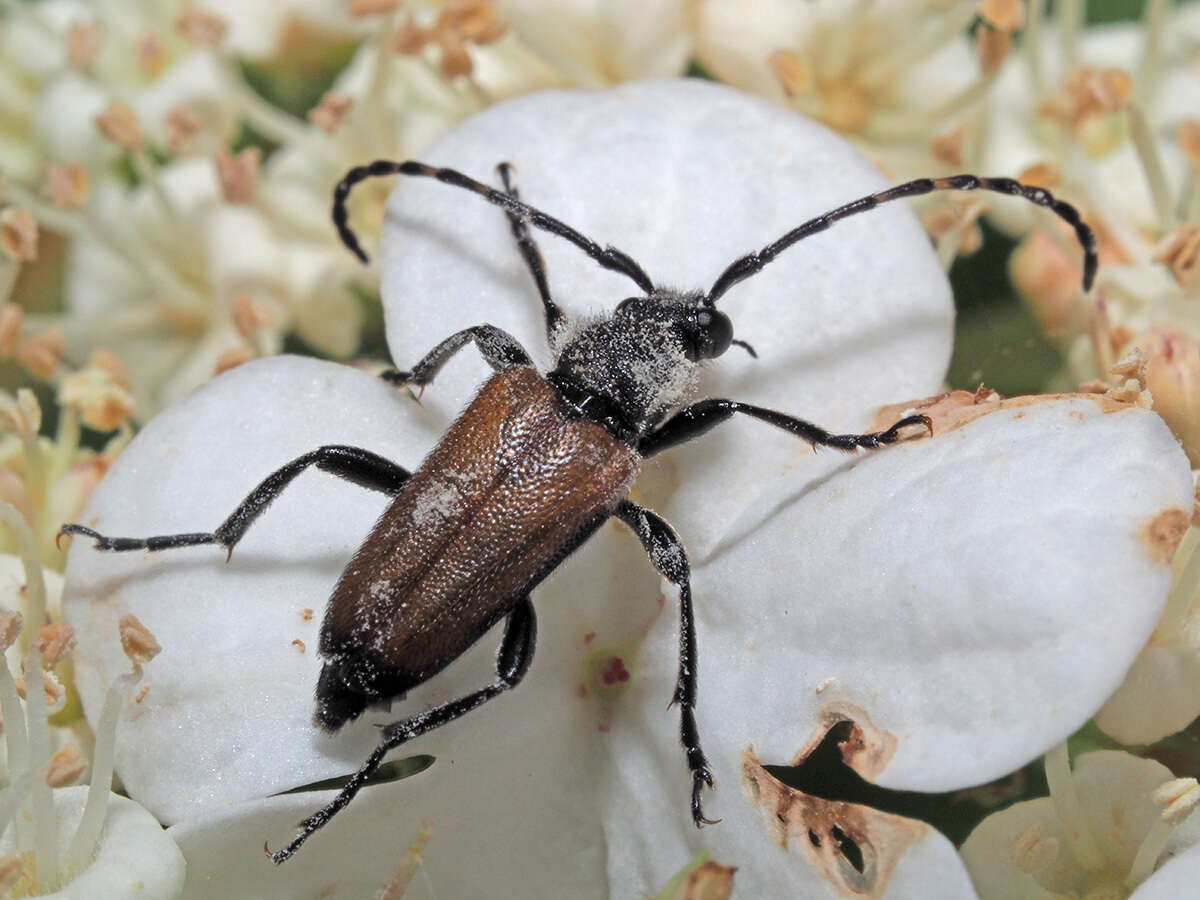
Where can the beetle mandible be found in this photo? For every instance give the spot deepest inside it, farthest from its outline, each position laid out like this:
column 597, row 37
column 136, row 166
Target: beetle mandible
column 532, row 468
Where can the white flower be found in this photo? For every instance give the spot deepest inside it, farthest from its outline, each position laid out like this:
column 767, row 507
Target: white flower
column 1105, row 827
column 925, row 569
column 887, row 75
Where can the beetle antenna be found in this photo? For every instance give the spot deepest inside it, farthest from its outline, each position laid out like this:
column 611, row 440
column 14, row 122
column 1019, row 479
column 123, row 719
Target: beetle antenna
column 609, row 257
column 751, row 263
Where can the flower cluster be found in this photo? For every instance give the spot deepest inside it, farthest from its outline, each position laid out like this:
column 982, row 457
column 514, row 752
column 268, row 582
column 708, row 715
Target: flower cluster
column 1021, row 584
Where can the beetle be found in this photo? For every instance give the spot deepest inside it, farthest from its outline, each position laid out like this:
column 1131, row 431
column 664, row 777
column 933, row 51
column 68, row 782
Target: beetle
column 531, row 469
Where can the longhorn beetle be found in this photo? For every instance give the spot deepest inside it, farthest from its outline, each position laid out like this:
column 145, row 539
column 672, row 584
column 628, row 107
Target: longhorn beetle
column 532, row 467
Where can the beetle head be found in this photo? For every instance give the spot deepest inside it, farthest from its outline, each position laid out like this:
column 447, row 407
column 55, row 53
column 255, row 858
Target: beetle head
column 704, row 331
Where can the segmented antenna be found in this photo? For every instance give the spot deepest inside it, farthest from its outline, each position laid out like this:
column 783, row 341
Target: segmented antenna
column 609, row 257
column 742, row 268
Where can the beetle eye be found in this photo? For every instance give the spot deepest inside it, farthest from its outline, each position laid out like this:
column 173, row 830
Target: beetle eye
column 711, row 333
column 625, row 304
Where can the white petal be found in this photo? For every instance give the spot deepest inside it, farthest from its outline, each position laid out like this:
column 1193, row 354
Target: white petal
column 1177, row 878
column 1114, row 791
column 764, row 827
column 65, row 118
column 1159, row 696
column 229, row 706
column 592, row 43
column 508, row 816
column 135, row 857
column 1023, row 541
column 228, row 713
column 685, row 176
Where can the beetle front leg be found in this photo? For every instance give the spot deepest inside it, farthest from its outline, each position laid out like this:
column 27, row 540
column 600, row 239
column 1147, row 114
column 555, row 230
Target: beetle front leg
column 498, row 348
column 556, row 319
column 512, row 662
column 668, row 556
column 358, row 466
column 693, row 421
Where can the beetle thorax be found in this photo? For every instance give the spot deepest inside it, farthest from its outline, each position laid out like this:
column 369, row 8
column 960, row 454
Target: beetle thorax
column 637, row 361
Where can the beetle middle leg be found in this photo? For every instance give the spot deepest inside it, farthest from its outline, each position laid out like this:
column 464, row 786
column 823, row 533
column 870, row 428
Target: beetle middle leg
column 693, row 421
column 512, row 662
column 555, row 317
column 358, row 466
column 499, row 349
column 667, row 555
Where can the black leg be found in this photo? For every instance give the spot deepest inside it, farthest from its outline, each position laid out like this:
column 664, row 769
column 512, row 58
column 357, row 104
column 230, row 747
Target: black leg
column 499, row 348
column 354, row 464
column 512, row 662
column 555, row 317
column 670, row 559
column 693, row 421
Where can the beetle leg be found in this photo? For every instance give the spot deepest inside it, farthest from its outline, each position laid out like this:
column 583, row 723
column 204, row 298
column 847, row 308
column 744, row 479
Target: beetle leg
column 668, row 556
column 556, row 319
column 512, row 662
column 358, row 466
column 499, row 349
column 693, row 421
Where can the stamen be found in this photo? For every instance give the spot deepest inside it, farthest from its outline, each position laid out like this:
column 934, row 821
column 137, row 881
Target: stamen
column 1032, row 45
column 35, row 585
column 45, row 847
column 1186, row 587
column 1156, row 179
column 1070, row 24
column 1080, row 840
column 1178, row 797
column 1149, row 64
column 883, row 70
column 15, row 737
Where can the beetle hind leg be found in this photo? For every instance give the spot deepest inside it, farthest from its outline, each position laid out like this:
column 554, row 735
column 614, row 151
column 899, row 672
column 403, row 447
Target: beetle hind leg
column 667, row 555
column 512, row 662
column 353, row 464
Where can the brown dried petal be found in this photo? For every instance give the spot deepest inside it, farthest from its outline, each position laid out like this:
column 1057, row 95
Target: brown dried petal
column 83, row 41
column 11, row 870
column 473, row 21
column 18, row 234
column 1189, row 140
column 992, row 47
column 10, row 628
column 182, row 125
column 137, row 641
column 1003, row 15
column 201, row 27
column 329, row 113
column 120, row 125
column 948, row 147
column 1042, row 174
column 411, row 37
column 791, row 72
column 39, row 354
column 232, row 358
column 108, row 362
column 67, row 185
column 238, row 174
column 10, row 328
column 708, row 881
column 151, row 53
column 65, row 767
column 52, row 689
column 1180, row 250
column 455, row 60
column 54, row 641
column 372, row 7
